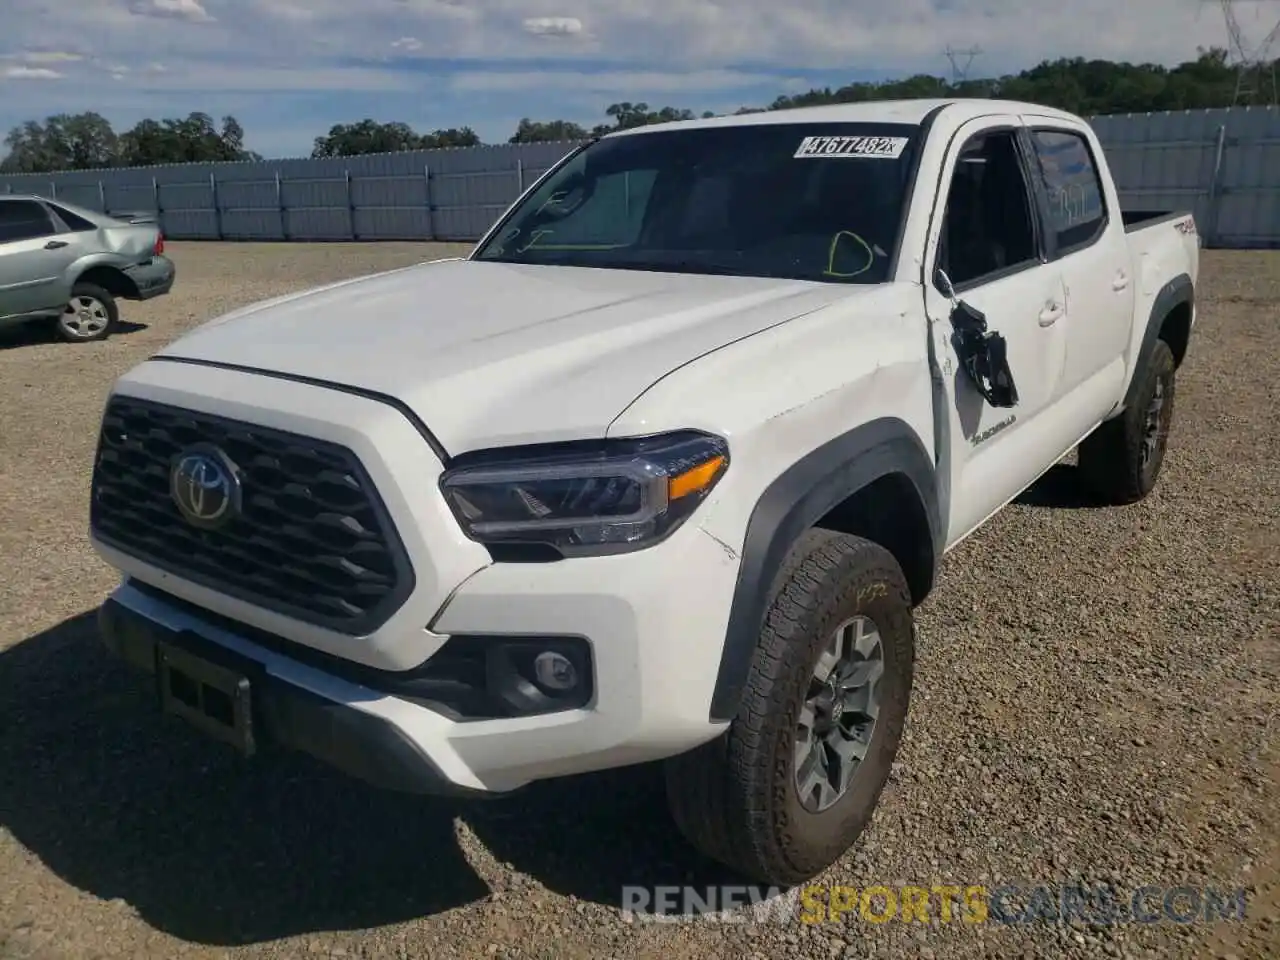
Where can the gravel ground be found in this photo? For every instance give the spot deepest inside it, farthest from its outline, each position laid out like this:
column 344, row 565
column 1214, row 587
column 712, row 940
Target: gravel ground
column 1098, row 697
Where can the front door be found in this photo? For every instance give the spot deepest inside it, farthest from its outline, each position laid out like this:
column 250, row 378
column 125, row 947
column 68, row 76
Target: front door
column 985, row 237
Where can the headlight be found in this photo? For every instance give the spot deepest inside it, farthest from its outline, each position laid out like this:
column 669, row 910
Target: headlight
column 600, row 497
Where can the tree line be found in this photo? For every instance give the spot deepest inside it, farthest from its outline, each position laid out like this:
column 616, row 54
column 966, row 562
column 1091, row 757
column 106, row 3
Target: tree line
column 86, row 141
column 1086, row 87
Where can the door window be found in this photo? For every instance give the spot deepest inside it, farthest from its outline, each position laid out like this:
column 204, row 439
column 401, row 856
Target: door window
column 987, row 227
column 1077, row 210
column 23, row 220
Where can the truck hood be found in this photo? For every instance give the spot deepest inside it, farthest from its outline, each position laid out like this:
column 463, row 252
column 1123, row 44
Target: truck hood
column 491, row 354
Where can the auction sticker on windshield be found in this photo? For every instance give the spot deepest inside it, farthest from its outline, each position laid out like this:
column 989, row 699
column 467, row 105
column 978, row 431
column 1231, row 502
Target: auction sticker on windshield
column 886, row 148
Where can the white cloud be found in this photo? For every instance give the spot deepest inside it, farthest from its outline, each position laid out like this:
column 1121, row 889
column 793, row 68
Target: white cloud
column 803, row 35
column 44, row 56
column 408, row 44
column 31, row 73
column 553, row 26
column 611, row 82
column 177, row 9
column 286, row 10
column 439, row 8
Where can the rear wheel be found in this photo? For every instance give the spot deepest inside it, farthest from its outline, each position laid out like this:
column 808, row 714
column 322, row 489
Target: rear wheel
column 793, row 782
column 90, row 314
column 1121, row 460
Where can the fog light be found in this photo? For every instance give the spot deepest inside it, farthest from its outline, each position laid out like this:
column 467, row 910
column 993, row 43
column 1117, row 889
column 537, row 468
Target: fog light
column 555, row 671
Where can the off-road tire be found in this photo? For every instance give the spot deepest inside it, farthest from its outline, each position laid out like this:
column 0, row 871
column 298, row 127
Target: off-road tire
column 1111, row 457
column 110, row 314
column 735, row 798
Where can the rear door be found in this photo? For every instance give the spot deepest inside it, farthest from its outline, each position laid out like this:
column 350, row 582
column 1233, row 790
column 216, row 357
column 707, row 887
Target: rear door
column 985, row 235
column 34, row 259
column 1085, row 237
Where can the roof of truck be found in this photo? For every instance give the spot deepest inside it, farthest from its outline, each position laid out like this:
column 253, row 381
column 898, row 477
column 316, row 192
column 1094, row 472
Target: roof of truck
column 870, row 111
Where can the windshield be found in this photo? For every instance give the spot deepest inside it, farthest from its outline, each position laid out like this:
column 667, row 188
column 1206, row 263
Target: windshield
column 799, row 201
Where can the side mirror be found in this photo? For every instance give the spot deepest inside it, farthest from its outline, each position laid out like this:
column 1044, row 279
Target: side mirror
column 983, row 354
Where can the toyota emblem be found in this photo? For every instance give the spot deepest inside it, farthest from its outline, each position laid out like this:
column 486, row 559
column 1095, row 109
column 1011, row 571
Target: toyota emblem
column 205, row 486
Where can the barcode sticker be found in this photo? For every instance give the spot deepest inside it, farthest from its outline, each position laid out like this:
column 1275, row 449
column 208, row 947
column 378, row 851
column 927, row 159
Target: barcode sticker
column 882, row 148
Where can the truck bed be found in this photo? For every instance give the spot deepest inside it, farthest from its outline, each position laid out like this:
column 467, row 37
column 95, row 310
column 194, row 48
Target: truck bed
column 1141, row 219
column 1164, row 243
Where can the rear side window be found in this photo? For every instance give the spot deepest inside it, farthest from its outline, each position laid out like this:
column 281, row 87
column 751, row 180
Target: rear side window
column 23, row 220
column 73, row 220
column 1077, row 210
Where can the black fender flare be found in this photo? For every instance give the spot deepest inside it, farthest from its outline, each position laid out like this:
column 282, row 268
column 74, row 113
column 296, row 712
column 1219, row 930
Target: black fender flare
column 1178, row 291
column 791, row 504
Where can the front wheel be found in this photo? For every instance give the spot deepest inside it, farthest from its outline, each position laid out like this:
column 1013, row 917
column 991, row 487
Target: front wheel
column 793, row 782
column 91, row 314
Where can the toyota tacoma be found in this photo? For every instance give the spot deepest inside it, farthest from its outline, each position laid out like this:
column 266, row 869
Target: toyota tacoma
column 658, row 472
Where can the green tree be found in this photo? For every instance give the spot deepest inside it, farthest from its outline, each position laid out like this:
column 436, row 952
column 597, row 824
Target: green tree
column 628, row 115
column 81, row 141
column 452, row 137
column 1088, row 87
column 193, row 139
column 531, row 131
column 370, row 136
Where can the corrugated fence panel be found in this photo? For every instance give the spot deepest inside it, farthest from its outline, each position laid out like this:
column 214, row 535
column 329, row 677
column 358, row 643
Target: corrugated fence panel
column 187, row 208
column 192, row 224
column 315, row 208
column 1250, row 181
column 391, row 196
column 185, row 196
column 1222, row 164
column 251, row 209
column 129, row 197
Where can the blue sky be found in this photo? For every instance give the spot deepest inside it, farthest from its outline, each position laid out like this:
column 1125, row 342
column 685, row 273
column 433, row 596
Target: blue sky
column 289, row 69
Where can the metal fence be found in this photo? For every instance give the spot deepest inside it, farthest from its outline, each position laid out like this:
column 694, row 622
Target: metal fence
column 1223, row 164
column 416, row 195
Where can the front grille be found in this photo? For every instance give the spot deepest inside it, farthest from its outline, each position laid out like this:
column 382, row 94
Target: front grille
column 313, row 539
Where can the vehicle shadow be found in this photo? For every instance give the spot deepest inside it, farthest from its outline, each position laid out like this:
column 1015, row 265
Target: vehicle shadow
column 124, row 803
column 30, row 334
column 1061, row 488
column 604, row 838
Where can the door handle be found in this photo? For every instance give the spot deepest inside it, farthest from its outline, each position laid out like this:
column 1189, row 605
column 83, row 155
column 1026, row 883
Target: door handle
column 1120, row 282
column 1050, row 314
column 55, row 244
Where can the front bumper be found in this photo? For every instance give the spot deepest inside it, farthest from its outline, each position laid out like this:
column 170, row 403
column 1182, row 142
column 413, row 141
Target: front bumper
column 651, row 676
column 153, row 278
column 286, row 713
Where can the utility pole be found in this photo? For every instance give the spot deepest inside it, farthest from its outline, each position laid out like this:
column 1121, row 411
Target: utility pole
column 959, row 74
column 1255, row 69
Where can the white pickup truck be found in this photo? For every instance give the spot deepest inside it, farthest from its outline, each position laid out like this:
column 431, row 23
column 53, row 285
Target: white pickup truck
column 658, row 472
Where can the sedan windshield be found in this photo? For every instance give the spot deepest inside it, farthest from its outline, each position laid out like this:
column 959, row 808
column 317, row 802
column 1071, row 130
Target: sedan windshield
column 800, row 201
